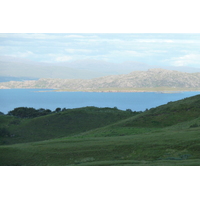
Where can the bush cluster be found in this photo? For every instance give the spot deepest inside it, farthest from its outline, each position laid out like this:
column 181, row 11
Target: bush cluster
column 194, row 125
column 24, row 112
column 4, row 132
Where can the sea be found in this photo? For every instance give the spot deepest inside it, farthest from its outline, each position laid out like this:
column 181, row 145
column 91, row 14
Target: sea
column 49, row 99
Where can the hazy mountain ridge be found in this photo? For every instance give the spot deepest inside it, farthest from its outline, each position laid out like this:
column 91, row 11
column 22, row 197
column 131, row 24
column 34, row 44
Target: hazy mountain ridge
column 12, row 78
column 80, row 69
column 151, row 78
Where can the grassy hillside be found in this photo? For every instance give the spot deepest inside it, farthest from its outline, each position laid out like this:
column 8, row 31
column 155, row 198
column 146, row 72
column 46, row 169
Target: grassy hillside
column 157, row 118
column 166, row 147
column 56, row 125
column 165, row 135
column 168, row 114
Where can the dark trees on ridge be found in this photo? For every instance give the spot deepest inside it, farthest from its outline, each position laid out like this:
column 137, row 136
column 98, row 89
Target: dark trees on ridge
column 24, row 112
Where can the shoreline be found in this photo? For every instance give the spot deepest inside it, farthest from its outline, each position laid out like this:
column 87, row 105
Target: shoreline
column 167, row 90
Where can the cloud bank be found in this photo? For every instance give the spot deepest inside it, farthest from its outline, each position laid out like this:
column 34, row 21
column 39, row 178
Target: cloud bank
column 152, row 49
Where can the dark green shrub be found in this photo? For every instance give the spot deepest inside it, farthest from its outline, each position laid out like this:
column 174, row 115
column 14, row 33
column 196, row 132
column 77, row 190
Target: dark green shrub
column 24, row 112
column 194, row 125
column 4, row 132
column 58, row 110
column 15, row 122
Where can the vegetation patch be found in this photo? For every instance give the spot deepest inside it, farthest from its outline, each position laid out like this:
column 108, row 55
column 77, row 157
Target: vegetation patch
column 164, row 136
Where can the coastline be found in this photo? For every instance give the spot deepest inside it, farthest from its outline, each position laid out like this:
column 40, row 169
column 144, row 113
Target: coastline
column 156, row 90
column 115, row 90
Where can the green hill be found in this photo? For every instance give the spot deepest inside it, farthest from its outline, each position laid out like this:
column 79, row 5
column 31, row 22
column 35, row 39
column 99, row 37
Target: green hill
column 165, row 135
column 66, row 123
column 169, row 114
column 174, row 147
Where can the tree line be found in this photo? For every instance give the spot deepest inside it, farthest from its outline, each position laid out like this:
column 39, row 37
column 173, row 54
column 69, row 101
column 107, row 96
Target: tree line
column 25, row 112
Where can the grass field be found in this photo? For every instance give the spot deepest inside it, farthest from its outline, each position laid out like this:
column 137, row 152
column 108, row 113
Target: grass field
column 168, row 135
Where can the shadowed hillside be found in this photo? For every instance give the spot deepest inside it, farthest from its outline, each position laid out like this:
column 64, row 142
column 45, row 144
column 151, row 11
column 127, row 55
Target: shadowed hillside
column 61, row 124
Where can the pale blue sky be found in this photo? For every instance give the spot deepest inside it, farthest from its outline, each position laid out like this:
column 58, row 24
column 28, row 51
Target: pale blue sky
column 153, row 49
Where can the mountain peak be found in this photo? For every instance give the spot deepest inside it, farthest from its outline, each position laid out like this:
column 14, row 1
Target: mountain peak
column 158, row 70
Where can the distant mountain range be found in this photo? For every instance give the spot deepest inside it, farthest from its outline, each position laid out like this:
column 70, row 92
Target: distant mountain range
column 13, row 78
column 150, row 80
column 12, row 68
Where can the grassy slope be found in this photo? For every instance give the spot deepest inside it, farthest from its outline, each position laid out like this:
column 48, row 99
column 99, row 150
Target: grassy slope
column 62, row 124
column 168, row 114
column 174, row 147
column 138, row 140
column 157, row 118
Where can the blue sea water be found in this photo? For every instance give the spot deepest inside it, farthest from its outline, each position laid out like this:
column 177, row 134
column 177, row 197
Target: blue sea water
column 13, row 98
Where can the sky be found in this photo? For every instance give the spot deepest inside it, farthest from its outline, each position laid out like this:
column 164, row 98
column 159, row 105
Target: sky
column 160, row 49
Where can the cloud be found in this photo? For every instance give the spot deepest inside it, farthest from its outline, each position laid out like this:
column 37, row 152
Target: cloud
column 176, row 49
column 156, row 51
column 51, row 58
column 132, row 53
column 39, row 36
column 78, row 50
column 74, row 36
column 63, row 58
column 8, row 58
column 185, row 60
column 118, row 55
column 174, row 41
column 95, row 39
column 22, row 54
column 154, row 41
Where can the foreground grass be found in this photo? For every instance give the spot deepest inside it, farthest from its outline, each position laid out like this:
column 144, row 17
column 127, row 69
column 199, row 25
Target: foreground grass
column 166, row 147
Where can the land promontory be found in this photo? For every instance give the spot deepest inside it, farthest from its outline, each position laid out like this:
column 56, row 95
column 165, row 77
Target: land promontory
column 157, row 79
